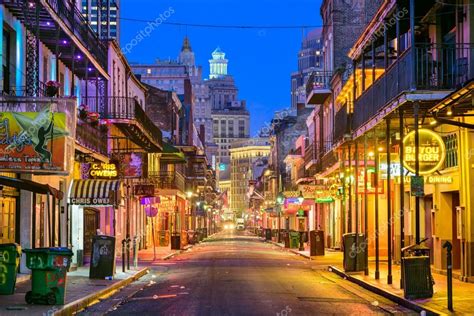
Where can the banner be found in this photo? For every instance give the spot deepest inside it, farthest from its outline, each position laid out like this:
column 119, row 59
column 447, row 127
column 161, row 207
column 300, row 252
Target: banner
column 33, row 142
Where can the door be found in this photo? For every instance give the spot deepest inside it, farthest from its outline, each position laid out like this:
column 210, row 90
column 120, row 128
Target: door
column 91, row 225
column 7, row 219
column 428, row 225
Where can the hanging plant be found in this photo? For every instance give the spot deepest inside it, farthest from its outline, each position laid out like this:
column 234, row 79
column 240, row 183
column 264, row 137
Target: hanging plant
column 52, row 88
column 83, row 112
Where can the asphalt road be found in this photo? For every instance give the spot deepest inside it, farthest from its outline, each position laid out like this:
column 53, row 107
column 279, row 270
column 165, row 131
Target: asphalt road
column 237, row 274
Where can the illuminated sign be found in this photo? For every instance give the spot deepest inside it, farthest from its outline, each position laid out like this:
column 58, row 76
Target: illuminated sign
column 325, row 200
column 432, row 151
column 222, row 167
column 439, row 179
column 101, row 170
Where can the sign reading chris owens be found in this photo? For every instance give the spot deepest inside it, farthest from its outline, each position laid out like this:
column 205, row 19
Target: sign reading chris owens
column 432, row 151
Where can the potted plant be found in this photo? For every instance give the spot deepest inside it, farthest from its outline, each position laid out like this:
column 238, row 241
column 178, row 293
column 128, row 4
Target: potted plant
column 93, row 118
column 83, row 111
column 52, row 88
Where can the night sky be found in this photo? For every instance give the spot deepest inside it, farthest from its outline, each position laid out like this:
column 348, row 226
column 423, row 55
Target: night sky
column 260, row 60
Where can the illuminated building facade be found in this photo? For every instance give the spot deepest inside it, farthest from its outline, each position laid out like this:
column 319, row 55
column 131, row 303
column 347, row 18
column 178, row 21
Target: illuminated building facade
column 103, row 17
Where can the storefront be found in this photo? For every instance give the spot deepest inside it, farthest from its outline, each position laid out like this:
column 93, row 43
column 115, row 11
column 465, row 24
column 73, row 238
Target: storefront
column 95, row 207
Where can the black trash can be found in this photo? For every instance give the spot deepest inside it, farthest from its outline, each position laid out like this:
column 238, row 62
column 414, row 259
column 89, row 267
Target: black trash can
column 354, row 255
column 286, row 238
column 268, row 234
column 316, row 243
column 416, row 271
column 192, row 237
column 176, row 241
column 102, row 257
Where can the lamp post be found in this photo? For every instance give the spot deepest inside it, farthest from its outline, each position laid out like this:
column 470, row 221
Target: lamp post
column 280, row 199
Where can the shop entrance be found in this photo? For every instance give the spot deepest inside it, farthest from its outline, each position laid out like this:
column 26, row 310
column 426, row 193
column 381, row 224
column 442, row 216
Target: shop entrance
column 91, row 225
column 428, row 224
column 7, row 219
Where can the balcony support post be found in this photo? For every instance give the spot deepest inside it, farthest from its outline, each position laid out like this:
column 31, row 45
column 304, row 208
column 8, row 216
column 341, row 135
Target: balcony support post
column 373, row 62
column 343, row 200
column 376, row 173
column 402, row 192
column 417, row 173
column 389, row 204
column 86, row 88
column 349, row 213
column 356, row 200
column 73, row 68
column 362, row 86
column 366, row 211
column 412, row 43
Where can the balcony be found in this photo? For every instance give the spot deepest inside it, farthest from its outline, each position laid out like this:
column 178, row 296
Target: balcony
column 167, row 180
column 91, row 137
column 318, row 87
column 128, row 115
column 61, row 25
column 341, row 127
column 310, row 159
column 437, row 68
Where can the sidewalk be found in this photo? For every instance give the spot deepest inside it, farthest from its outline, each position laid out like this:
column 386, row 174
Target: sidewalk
column 463, row 298
column 80, row 292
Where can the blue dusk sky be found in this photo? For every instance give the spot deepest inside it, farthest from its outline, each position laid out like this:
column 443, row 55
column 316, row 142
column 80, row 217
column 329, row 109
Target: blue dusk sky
column 261, row 60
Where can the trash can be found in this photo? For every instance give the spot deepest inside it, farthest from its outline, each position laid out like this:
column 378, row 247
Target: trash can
column 286, row 238
column 175, row 241
column 316, row 243
column 192, row 237
column 354, row 252
column 48, row 277
column 268, row 234
column 9, row 261
column 102, row 257
column 416, row 272
column 294, row 239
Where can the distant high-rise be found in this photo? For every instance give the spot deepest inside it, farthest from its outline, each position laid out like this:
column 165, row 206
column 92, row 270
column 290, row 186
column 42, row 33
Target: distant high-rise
column 103, row 16
column 231, row 120
column 218, row 64
column 310, row 58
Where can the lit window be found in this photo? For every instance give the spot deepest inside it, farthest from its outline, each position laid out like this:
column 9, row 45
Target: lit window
column 148, row 71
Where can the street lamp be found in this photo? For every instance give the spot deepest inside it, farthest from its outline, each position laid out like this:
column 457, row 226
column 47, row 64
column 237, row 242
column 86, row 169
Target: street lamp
column 301, row 198
column 280, row 200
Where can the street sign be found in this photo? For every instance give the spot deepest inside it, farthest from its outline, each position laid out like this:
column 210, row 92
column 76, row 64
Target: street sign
column 417, row 184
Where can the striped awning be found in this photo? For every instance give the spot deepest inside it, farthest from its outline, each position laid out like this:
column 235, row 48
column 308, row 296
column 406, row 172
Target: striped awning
column 95, row 192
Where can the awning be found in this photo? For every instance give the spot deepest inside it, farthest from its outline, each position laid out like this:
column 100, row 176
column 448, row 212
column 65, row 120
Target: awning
column 172, row 154
column 95, row 192
column 31, row 186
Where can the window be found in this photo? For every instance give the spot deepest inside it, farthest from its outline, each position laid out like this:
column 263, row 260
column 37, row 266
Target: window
column 451, row 159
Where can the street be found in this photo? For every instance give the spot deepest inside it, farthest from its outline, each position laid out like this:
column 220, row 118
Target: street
column 236, row 273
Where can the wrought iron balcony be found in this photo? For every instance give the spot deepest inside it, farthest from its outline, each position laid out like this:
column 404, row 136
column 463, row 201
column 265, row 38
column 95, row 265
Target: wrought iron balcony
column 341, row 127
column 129, row 116
column 310, row 158
column 173, row 180
column 435, row 67
column 318, row 87
column 92, row 137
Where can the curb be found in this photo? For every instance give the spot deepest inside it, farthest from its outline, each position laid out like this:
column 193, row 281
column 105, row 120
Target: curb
column 394, row 298
column 296, row 252
column 80, row 304
column 171, row 255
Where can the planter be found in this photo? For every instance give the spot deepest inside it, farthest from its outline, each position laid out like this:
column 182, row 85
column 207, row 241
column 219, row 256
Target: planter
column 51, row 91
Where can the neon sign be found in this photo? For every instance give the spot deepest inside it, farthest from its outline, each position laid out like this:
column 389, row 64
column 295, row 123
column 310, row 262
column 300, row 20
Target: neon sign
column 432, row 151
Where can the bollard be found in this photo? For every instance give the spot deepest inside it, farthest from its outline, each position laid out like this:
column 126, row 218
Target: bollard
column 128, row 252
column 449, row 261
column 123, row 255
column 135, row 252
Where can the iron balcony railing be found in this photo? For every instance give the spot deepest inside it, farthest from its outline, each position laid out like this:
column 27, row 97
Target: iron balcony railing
column 92, row 137
column 435, row 67
column 167, row 180
column 123, row 108
column 340, row 124
column 309, row 154
column 79, row 26
column 318, row 80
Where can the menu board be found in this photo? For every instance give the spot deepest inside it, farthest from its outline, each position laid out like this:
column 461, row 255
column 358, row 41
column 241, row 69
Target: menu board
column 102, row 257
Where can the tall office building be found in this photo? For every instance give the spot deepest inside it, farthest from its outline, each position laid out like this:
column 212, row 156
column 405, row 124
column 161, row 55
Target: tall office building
column 310, row 58
column 231, row 120
column 103, row 16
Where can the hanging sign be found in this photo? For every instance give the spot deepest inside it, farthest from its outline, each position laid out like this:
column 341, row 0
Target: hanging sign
column 144, row 189
column 432, row 151
column 102, row 170
column 151, row 211
column 417, row 186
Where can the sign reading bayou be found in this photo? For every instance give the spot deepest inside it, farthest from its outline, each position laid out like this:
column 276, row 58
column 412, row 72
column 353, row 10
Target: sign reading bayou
column 432, row 151
column 33, row 141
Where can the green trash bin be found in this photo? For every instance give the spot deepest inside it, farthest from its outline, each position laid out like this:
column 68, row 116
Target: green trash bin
column 48, row 277
column 9, row 261
column 294, row 239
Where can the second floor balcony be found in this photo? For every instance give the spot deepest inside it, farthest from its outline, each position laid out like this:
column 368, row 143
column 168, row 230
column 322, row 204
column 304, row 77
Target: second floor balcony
column 168, row 180
column 92, row 137
column 318, row 87
column 128, row 115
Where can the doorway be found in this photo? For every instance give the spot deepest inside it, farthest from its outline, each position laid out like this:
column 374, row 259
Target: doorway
column 91, row 225
column 7, row 219
column 428, row 206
